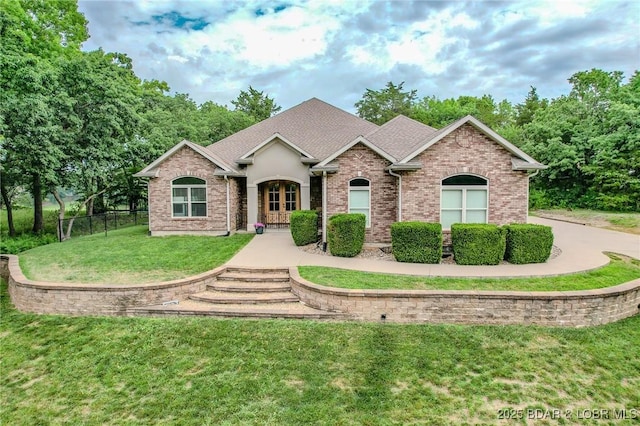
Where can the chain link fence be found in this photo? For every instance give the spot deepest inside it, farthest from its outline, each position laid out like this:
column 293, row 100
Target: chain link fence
column 102, row 222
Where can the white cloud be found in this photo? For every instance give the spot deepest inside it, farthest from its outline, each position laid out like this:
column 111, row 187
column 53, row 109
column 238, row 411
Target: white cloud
column 336, row 49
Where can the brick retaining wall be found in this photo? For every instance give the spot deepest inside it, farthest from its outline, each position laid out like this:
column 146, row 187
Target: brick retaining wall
column 570, row 308
column 96, row 299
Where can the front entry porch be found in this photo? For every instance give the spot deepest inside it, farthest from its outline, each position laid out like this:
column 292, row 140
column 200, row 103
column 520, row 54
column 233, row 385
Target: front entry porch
column 278, row 198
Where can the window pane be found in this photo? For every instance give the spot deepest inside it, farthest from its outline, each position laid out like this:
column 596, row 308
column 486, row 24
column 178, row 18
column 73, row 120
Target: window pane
column 198, row 209
column 476, row 216
column 359, row 200
column 476, row 199
column 452, row 199
column 359, row 182
column 180, row 195
column 189, row 181
column 364, row 212
column 464, row 180
column 449, row 217
column 180, row 210
column 198, row 194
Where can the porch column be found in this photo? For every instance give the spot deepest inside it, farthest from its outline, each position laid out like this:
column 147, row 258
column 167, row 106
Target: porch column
column 305, row 196
column 252, row 206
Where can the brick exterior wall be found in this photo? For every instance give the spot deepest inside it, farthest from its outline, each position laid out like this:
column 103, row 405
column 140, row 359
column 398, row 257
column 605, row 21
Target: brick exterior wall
column 466, row 150
column 567, row 309
column 186, row 162
column 362, row 162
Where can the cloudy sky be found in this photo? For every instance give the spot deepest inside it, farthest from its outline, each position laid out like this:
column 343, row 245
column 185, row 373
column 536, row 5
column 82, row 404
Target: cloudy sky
column 335, row 49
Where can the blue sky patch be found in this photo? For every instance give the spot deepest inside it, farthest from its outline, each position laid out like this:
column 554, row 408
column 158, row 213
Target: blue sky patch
column 265, row 11
column 180, row 21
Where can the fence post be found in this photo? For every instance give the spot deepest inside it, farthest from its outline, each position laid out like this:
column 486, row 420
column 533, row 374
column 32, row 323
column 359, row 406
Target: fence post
column 59, row 229
column 105, row 225
column 90, row 225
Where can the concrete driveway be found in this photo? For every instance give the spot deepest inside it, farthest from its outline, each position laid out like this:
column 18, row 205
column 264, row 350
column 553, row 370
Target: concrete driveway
column 582, row 249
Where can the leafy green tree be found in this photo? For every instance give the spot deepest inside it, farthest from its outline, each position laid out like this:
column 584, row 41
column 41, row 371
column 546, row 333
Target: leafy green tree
column 589, row 140
column 219, row 122
column 380, row 106
column 34, row 35
column 615, row 167
column 32, row 132
column 99, row 117
column 256, row 104
column 527, row 110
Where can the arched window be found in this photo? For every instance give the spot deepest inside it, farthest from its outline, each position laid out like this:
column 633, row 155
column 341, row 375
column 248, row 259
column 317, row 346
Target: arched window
column 464, row 199
column 189, row 197
column 360, row 198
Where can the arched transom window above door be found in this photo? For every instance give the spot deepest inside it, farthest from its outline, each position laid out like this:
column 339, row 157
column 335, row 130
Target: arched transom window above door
column 464, row 199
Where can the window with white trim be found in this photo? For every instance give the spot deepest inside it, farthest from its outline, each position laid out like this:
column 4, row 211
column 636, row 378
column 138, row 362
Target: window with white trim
column 360, row 198
column 464, row 199
column 189, row 197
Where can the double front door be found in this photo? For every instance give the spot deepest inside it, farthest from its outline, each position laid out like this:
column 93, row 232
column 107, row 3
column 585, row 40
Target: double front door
column 280, row 199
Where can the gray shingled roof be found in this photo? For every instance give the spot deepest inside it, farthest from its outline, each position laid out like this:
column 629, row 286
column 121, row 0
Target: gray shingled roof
column 314, row 126
column 322, row 130
column 400, row 136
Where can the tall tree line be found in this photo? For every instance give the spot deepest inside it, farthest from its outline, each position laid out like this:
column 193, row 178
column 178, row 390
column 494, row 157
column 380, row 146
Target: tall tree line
column 590, row 138
column 83, row 120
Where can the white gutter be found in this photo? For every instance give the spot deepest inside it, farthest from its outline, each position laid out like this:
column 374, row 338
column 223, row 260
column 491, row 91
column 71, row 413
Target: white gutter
column 324, row 210
column 226, row 178
column 392, row 173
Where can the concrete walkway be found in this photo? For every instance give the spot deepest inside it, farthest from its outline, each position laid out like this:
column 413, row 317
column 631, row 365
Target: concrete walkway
column 581, row 246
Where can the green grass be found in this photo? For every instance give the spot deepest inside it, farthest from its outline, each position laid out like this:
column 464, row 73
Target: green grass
column 129, row 256
column 23, row 221
column 198, row 371
column 617, row 272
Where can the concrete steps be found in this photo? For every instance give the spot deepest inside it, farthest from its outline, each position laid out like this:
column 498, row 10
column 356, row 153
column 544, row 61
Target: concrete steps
column 244, row 293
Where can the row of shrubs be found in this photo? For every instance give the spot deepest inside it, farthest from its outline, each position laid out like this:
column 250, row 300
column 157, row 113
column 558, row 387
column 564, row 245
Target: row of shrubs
column 473, row 244
column 421, row 242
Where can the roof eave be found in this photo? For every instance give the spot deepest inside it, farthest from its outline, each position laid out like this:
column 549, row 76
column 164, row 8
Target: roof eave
column 328, row 169
column 531, row 166
column 227, row 173
column 147, row 174
column 400, row 167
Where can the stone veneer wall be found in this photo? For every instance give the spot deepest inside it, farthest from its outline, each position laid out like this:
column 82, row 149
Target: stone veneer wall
column 186, row 162
column 572, row 308
column 362, row 162
column 466, row 151
column 81, row 299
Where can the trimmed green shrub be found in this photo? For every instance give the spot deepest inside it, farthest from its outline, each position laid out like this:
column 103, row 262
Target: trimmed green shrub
column 345, row 234
column 304, row 227
column 417, row 242
column 478, row 243
column 528, row 243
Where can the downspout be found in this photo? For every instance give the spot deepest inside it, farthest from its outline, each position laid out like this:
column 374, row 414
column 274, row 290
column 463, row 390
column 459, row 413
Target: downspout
column 399, row 176
column 324, row 210
column 149, row 206
column 529, row 188
column 226, row 178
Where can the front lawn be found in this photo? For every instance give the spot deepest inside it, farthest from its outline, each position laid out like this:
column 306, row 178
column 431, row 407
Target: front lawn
column 129, row 256
column 620, row 270
column 200, row 371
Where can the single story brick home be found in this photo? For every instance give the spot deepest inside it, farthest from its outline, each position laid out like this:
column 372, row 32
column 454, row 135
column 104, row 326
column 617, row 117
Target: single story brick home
column 316, row 156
